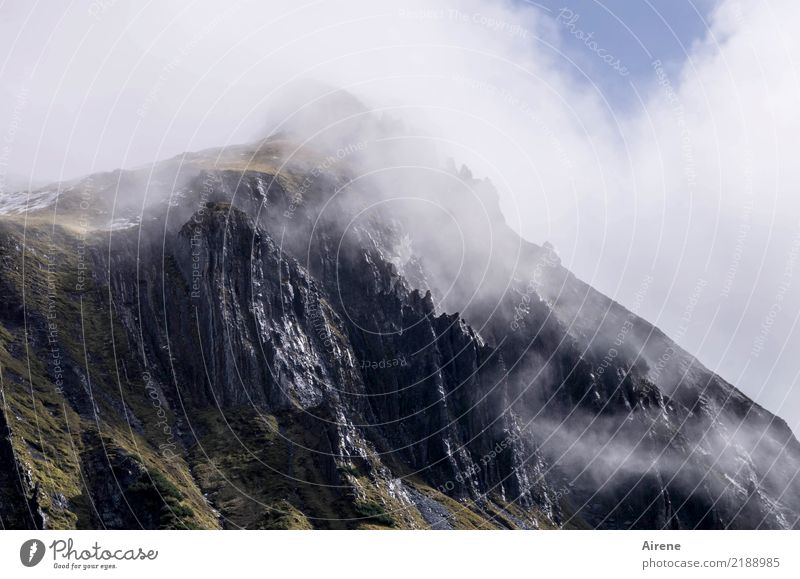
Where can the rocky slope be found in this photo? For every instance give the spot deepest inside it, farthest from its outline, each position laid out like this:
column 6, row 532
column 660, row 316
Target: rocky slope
column 269, row 336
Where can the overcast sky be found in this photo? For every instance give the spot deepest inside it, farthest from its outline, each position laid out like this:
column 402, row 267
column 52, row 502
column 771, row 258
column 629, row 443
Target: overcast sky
column 641, row 138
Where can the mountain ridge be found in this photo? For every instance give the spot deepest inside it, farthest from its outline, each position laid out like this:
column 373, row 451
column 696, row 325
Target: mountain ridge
column 238, row 306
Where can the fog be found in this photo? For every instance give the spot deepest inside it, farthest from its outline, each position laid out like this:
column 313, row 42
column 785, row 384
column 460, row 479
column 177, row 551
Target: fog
column 694, row 183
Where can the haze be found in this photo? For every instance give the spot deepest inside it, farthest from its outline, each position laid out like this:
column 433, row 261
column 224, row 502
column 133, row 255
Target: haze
column 679, row 165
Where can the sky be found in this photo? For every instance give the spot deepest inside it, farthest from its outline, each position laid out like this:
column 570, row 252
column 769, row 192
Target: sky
column 642, row 139
column 637, row 33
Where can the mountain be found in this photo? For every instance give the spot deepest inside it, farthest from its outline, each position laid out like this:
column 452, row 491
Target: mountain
column 345, row 335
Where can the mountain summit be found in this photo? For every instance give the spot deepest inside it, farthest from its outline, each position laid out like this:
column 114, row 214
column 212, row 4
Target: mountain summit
column 281, row 335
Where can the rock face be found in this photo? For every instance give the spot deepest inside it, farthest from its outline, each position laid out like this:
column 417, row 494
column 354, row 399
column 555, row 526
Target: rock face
column 273, row 343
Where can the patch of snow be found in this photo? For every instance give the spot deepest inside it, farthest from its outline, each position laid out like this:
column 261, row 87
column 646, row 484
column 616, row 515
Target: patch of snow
column 18, row 202
column 123, row 223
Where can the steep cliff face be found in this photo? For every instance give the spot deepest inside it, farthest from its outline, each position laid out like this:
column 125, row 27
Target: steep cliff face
column 269, row 342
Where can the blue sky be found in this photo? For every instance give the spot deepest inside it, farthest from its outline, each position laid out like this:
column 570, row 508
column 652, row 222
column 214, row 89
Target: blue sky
column 635, row 31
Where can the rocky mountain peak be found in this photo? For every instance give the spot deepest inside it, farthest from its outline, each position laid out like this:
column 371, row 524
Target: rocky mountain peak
column 273, row 337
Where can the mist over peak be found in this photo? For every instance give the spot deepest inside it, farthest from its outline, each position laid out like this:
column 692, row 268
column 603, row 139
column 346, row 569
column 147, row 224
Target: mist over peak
column 357, row 265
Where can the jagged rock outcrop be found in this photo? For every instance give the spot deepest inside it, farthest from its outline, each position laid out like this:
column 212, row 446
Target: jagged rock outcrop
column 269, row 345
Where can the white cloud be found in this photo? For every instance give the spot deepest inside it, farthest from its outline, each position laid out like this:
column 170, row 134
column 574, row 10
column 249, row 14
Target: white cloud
column 110, row 84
